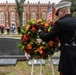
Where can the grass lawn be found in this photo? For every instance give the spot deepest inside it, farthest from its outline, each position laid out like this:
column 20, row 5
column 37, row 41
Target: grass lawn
column 22, row 68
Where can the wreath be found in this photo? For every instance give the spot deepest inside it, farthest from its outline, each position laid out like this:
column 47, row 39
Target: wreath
column 32, row 44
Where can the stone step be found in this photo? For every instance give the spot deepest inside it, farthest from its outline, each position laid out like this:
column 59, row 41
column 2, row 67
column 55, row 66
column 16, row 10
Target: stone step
column 7, row 62
column 36, row 62
column 18, row 57
column 55, row 61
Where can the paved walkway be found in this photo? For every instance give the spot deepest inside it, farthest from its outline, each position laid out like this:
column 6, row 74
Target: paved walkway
column 10, row 35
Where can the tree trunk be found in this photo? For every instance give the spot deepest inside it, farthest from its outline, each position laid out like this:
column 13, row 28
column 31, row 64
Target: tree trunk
column 20, row 21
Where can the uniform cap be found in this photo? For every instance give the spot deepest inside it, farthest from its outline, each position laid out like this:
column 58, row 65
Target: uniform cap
column 62, row 5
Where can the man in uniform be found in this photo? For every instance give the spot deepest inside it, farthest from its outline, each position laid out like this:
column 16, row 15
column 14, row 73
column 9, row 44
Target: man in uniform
column 64, row 28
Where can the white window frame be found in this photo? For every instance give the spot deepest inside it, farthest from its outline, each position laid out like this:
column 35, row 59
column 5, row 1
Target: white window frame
column 44, row 16
column 12, row 17
column 24, row 18
column 33, row 16
column 2, row 18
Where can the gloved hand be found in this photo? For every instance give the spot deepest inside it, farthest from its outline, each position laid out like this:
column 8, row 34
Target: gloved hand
column 39, row 30
column 40, row 33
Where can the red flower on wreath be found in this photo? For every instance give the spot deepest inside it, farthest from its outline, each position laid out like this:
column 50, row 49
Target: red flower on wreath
column 25, row 38
column 52, row 23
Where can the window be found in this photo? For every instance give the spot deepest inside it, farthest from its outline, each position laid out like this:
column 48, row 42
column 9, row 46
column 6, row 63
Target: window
column 33, row 16
column 12, row 17
column 24, row 18
column 44, row 16
column 2, row 18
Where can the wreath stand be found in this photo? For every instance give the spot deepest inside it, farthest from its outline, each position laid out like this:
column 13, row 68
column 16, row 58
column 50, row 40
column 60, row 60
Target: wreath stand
column 41, row 60
column 52, row 67
column 32, row 68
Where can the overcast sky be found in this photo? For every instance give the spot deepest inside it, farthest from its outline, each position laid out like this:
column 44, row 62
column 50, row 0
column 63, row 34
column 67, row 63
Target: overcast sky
column 33, row 1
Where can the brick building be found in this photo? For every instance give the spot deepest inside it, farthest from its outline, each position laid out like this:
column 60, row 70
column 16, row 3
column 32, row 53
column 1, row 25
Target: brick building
column 38, row 10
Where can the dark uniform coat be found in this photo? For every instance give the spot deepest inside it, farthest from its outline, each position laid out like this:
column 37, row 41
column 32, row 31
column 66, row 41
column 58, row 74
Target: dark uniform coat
column 64, row 28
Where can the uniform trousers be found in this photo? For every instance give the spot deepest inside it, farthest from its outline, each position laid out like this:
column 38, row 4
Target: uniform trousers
column 66, row 74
